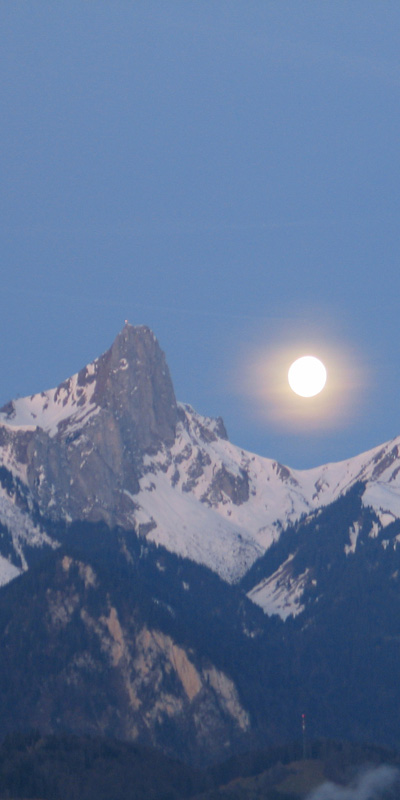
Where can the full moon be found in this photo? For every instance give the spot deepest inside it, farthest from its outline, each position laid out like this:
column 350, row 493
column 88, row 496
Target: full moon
column 307, row 376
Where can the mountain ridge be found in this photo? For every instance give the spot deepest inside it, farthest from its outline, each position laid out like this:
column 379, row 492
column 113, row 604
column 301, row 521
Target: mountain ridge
column 182, row 592
column 112, row 443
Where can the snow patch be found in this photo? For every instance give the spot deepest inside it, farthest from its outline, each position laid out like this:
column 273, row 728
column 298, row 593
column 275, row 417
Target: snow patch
column 7, row 571
column 281, row 593
column 22, row 530
column 353, row 536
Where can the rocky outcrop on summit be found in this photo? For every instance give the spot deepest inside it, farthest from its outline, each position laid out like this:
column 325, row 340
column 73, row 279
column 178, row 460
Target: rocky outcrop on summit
column 80, row 447
column 132, row 383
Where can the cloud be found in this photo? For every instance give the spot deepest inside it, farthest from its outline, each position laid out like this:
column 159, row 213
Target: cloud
column 368, row 785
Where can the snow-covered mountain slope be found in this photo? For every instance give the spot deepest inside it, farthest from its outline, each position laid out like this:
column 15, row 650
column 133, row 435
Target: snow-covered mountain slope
column 282, row 592
column 22, row 536
column 111, row 443
column 218, row 504
column 70, row 403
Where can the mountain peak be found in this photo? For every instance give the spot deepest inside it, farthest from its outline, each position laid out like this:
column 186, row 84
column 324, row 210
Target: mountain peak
column 131, row 380
column 130, row 332
column 134, row 384
column 87, row 438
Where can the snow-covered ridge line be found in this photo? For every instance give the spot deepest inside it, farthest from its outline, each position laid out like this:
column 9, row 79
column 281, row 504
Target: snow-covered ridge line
column 46, row 410
column 204, row 496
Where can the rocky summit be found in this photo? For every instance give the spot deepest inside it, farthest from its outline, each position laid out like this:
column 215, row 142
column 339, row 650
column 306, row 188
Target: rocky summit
column 79, row 448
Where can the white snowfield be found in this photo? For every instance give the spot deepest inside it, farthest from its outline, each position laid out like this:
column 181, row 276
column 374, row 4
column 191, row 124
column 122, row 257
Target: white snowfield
column 280, row 593
column 208, row 500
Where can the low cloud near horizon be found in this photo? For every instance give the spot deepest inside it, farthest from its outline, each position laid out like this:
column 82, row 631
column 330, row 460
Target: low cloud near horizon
column 368, row 785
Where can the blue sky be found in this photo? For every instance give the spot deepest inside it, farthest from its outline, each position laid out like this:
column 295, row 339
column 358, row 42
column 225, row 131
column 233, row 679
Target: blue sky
column 224, row 172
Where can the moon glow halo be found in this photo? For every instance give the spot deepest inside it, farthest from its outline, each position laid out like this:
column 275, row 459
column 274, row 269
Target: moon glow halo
column 307, row 376
column 309, row 406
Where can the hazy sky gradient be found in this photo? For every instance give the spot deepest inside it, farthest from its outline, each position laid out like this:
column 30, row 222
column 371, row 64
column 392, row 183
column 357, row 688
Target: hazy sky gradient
column 224, row 172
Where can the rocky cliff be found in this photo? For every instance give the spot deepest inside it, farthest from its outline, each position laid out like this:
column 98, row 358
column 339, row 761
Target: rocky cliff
column 96, row 640
column 79, row 448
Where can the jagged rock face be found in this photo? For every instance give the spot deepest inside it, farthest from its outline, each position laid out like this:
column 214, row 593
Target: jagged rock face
column 81, row 446
column 132, row 383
